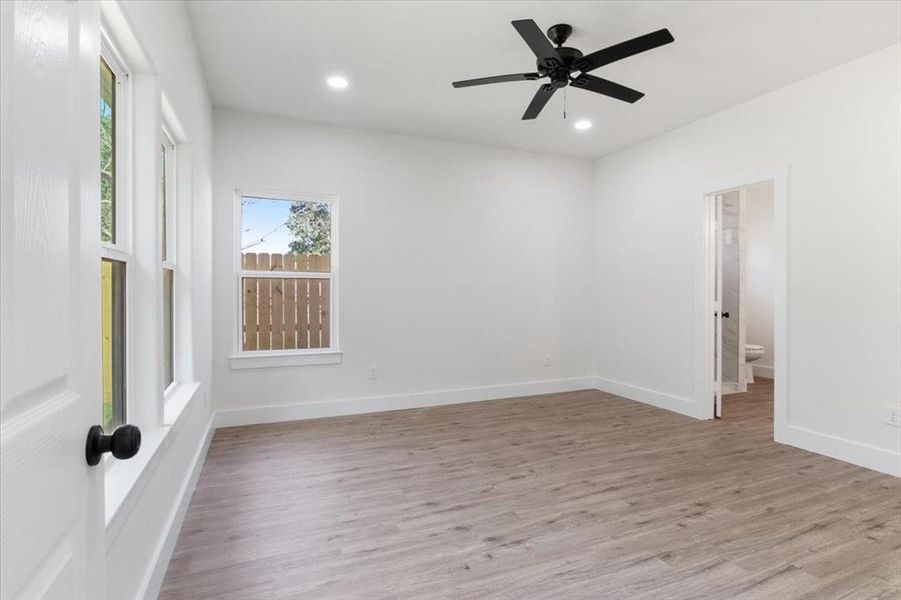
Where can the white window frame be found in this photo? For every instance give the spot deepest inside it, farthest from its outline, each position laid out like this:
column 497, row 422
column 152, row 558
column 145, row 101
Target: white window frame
column 241, row 359
column 171, row 224
column 121, row 249
column 167, row 142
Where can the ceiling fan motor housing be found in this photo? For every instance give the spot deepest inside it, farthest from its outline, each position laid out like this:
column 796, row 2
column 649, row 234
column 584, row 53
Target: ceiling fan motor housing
column 559, row 73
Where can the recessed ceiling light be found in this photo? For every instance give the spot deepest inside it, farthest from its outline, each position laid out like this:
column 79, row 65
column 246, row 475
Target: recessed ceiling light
column 582, row 125
column 337, row 82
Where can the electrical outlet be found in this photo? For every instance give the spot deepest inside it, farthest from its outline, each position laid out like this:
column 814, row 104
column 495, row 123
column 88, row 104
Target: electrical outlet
column 893, row 415
column 547, row 360
column 373, row 371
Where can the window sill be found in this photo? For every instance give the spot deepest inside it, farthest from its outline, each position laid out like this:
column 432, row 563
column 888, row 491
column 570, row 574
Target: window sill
column 277, row 358
column 125, row 480
column 175, row 401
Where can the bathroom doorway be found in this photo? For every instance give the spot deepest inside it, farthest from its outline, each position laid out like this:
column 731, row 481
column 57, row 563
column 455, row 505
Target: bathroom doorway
column 742, row 284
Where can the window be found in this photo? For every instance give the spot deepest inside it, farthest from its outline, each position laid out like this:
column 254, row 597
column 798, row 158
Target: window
column 287, row 274
column 114, row 250
column 167, row 254
column 112, row 278
column 107, row 153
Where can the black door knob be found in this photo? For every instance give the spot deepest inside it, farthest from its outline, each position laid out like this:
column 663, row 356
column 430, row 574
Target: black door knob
column 725, row 315
column 123, row 443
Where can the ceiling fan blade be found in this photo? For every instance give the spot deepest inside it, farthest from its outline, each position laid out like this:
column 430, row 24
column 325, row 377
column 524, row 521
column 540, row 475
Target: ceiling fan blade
column 496, row 79
column 540, row 98
column 607, row 88
column 623, row 50
column 538, row 42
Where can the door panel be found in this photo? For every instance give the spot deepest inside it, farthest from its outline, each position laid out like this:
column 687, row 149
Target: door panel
column 39, row 459
column 40, row 198
column 718, row 307
column 742, row 334
column 51, row 530
column 730, row 251
column 56, row 575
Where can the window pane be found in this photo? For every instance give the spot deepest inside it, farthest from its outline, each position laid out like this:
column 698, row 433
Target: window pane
column 112, row 286
column 168, row 328
column 164, row 201
column 285, row 235
column 282, row 314
column 107, row 153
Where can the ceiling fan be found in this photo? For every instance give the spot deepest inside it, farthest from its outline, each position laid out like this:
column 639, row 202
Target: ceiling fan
column 560, row 63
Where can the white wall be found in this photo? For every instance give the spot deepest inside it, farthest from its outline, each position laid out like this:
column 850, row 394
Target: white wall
column 759, row 273
column 460, row 266
column 138, row 537
column 838, row 133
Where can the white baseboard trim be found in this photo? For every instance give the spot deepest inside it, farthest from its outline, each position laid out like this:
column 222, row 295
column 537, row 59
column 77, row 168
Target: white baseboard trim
column 683, row 406
column 232, row 417
column 153, row 581
column 762, row 371
column 864, row 455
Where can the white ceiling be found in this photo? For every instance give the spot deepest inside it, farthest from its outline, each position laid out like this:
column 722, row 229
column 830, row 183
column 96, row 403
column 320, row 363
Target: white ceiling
column 401, row 57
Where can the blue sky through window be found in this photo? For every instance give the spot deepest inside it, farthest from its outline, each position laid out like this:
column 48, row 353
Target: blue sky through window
column 263, row 226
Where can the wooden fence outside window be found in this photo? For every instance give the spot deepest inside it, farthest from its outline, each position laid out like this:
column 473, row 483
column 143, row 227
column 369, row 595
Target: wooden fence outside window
column 285, row 313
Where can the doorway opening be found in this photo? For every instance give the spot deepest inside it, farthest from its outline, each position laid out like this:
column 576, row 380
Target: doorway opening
column 743, row 278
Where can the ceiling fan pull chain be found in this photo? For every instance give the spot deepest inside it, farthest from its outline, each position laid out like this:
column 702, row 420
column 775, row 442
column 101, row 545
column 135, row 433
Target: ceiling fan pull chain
column 564, row 104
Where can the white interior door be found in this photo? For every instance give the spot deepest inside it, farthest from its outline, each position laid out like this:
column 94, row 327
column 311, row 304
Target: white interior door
column 742, row 290
column 52, row 533
column 717, row 245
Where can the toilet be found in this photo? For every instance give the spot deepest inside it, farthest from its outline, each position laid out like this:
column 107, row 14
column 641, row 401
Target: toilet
column 752, row 353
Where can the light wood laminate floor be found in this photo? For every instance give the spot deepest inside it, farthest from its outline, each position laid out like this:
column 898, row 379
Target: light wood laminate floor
column 575, row 495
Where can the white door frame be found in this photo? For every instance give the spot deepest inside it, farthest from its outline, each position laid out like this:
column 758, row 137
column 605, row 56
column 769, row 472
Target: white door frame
column 714, row 209
column 742, row 309
column 778, row 176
